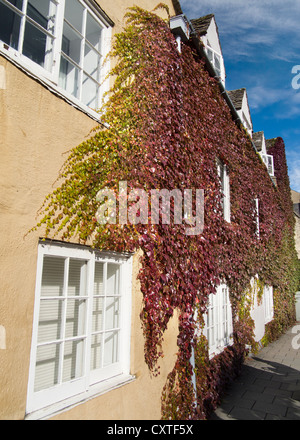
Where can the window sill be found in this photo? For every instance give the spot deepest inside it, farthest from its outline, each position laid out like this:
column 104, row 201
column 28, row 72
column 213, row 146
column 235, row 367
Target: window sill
column 67, row 404
column 47, row 83
column 220, row 349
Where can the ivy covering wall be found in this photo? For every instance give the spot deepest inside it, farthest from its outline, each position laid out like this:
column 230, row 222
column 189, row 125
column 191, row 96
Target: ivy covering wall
column 166, row 126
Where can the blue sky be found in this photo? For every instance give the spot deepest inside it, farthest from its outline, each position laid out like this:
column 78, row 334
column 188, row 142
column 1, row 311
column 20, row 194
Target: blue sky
column 260, row 40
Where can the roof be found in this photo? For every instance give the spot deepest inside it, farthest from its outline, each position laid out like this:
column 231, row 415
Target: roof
column 201, row 24
column 295, row 197
column 236, row 97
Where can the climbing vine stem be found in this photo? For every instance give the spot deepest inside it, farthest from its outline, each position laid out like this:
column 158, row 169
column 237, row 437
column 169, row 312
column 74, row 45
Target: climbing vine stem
column 167, row 124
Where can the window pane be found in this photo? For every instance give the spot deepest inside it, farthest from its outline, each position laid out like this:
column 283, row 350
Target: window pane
column 210, row 55
column 71, row 44
column 43, row 12
column 89, row 92
column 53, row 276
column 217, row 62
column 75, row 318
column 96, row 352
column 69, row 77
column 9, row 26
column 92, row 62
column 37, row 47
column 50, row 320
column 98, row 279
column 211, row 337
column 93, row 32
column 112, row 313
column 77, row 277
column 97, row 319
column 111, row 348
column 47, row 367
column 73, row 360
column 17, row 3
column 74, row 13
column 113, row 279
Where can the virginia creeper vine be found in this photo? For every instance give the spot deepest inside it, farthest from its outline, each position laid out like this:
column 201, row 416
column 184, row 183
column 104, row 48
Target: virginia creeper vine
column 166, row 126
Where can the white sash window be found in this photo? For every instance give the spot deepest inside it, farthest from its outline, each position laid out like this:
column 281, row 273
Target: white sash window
column 82, row 322
column 225, row 187
column 218, row 321
column 63, row 41
column 268, row 302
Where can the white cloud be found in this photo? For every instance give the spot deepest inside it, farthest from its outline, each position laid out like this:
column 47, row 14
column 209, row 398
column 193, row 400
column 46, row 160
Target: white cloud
column 246, row 23
column 294, row 169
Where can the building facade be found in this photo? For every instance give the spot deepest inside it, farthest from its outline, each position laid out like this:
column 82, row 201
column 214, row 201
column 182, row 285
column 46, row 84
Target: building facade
column 71, row 343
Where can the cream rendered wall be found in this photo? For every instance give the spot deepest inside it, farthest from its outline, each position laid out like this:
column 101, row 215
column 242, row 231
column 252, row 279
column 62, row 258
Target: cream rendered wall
column 36, row 129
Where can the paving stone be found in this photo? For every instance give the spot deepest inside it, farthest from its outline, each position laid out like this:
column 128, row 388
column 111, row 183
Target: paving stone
column 268, row 398
column 296, row 395
column 268, row 387
column 293, row 414
column 246, row 414
column 270, row 408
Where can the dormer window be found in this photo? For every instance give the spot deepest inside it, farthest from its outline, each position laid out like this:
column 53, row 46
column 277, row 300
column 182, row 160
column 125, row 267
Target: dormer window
column 207, row 30
column 269, row 162
column 215, row 60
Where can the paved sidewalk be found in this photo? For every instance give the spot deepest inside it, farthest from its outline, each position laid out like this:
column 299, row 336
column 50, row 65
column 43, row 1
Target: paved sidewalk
column 269, row 385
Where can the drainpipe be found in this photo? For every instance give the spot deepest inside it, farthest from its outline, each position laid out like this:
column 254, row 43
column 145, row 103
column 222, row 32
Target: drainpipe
column 180, row 26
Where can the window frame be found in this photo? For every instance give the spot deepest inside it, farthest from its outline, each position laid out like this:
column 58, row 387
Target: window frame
column 257, row 220
column 223, row 337
column 90, row 381
column 212, row 57
column 268, row 301
column 225, row 187
column 51, row 78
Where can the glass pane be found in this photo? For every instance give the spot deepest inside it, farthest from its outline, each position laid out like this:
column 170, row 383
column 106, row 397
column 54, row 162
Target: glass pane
column 211, row 336
column 210, row 55
column 73, row 360
column 113, row 279
column 111, row 348
column 43, row 12
column 77, row 277
column 97, row 319
column 17, row 3
column 112, row 310
column 98, row 279
column 50, row 320
column 37, row 47
column 96, row 352
column 93, row 32
column 89, row 92
column 71, row 43
column 74, row 13
column 47, row 367
column 75, row 318
column 69, row 77
column 92, row 62
column 53, row 276
column 217, row 62
column 9, row 26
